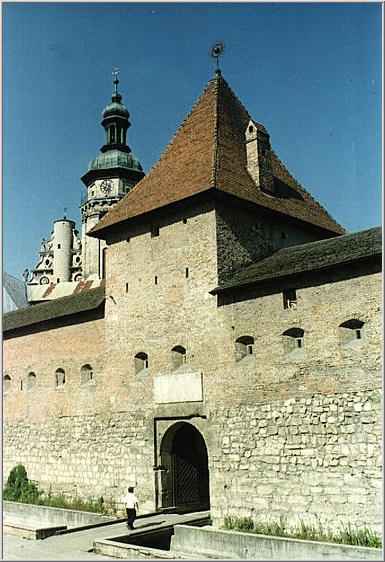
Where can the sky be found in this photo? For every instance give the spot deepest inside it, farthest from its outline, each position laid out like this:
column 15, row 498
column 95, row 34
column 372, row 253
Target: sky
column 311, row 73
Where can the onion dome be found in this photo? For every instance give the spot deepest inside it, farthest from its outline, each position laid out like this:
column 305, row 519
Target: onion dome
column 115, row 159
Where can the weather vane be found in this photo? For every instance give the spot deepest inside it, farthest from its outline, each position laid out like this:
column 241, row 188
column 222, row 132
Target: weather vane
column 65, row 211
column 115, row 74
column 217, row 51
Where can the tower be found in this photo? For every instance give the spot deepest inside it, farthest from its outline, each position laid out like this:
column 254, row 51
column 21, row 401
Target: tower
column 109, row 177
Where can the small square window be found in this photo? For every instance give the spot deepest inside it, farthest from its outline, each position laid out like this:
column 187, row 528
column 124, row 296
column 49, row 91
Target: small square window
column 154, row 231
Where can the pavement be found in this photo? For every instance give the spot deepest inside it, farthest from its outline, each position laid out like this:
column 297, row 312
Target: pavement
column 77, row 545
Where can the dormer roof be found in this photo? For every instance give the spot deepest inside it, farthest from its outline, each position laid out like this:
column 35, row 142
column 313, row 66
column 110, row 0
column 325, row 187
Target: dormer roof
column 208, row 153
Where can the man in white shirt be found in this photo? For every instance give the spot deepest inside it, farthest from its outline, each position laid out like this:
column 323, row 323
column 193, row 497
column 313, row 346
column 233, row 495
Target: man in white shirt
column 132, row 505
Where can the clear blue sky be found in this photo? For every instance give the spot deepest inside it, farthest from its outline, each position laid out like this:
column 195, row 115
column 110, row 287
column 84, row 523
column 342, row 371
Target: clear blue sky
column 311, row 73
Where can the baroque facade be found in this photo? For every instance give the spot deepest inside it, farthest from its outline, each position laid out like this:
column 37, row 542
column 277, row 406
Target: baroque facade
column 230, row 358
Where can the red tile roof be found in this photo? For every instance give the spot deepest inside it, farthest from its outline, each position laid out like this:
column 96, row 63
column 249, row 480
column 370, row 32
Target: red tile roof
column 208, row 152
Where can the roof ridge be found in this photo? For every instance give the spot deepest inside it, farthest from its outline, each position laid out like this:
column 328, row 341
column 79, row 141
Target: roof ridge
column 169, row 144
column 214, row 170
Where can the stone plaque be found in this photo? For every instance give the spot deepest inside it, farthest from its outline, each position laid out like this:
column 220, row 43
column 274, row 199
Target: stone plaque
column 178, row 387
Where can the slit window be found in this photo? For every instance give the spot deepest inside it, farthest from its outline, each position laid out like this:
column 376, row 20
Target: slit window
column 244, row 346
column 178, row 356
column 290, row 299
column 156, row 279
column 141, row 362
column 187, row 272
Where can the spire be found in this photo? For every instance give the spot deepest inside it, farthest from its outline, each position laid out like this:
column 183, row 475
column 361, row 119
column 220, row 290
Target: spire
column 116, row 120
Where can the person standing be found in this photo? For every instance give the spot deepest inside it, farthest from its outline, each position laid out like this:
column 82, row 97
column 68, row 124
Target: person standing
column 132, row 506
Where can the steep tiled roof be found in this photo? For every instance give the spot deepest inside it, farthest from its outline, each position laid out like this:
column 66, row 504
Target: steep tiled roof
column 312, row 256
column 65, row 306
column 208, row 152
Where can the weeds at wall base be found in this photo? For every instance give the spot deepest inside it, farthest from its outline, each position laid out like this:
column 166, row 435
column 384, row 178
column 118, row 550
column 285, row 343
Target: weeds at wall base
column 344, row 535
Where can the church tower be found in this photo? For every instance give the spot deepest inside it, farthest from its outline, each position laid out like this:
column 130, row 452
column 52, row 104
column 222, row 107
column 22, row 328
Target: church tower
column 109, row 177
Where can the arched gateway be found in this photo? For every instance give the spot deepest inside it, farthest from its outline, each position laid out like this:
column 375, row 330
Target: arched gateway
column 185, row 480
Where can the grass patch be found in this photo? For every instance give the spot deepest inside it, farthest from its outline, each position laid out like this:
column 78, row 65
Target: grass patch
column 346, row 534
column 20, row 489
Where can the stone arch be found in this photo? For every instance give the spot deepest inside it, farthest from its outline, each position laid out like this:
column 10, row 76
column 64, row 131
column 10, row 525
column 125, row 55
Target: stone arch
column 185, row 474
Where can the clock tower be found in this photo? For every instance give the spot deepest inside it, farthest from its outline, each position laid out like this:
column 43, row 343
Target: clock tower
column 109, row 177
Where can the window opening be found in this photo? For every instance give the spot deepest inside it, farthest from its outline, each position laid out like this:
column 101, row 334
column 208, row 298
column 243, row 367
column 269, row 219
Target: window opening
column 7, row 383
column 154, row 231
column 184, row 221
column 126, row 287
column 293, row 339
column 86, row 374
column 141, row 362
column 178, row 356
column 289, row 299
column 60, row 377
column 156, row 279
column 31, row 380
column 351, row 331
column 58, row 246
column 244, row 346
column 187, row 272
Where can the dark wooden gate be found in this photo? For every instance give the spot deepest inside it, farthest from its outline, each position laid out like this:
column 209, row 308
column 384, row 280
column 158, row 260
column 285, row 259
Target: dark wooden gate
column 185, row 482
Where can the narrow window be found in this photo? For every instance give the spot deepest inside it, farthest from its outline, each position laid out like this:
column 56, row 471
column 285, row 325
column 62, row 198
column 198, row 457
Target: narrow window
column 156, row 279
column 60, row 377
column 154, row 231
column 187, row 272
column 178, row 356
column 104, row 258
column 251, row 129
column 58, row 280
column 31, row 380
column 351, row 331
column 244, row 346
column 21, row 385
column 126, row 287
column 86, row 374
column 184, row 221
column 289, row 299
column 58, row 246
column 293, row 339
column 141, row 362
column 7, row 383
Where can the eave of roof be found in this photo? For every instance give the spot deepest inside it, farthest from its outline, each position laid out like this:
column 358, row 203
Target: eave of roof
column 51, row 310
column 208, row 152
column 312, row 256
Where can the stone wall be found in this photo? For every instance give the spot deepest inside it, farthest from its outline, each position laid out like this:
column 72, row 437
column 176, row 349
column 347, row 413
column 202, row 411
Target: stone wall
column 275, row 418
column 244, row 236
column 316, row 459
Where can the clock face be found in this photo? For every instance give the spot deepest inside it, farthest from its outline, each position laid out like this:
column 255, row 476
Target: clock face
column 106, row 186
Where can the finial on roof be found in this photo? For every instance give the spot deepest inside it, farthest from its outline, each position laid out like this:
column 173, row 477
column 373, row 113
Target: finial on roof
column 115, row 74
column 217, row 51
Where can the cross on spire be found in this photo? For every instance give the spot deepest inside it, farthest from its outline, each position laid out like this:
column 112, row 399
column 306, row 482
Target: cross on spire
column 115, row 74
column 217, row 51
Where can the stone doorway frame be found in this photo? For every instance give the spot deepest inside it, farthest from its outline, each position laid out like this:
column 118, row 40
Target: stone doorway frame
column 161, row 426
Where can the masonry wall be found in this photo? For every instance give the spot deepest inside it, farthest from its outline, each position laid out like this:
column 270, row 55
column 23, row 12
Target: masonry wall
column 291, row 434
column 245, row 236
column 299, row 433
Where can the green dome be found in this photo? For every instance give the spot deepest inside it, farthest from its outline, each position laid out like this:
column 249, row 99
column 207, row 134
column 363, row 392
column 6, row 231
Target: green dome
column 115, row 159
column 115, row 108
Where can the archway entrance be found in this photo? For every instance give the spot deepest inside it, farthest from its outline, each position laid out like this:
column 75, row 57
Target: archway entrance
column 185, row 478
